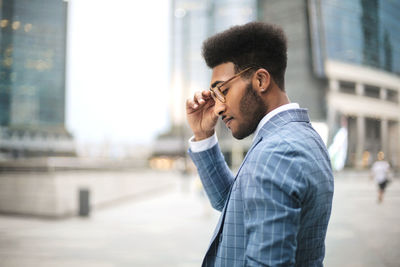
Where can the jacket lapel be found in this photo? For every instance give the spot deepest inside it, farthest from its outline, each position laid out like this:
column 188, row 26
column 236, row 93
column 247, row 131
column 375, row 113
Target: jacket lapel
column 223, row 212
column 256, row 141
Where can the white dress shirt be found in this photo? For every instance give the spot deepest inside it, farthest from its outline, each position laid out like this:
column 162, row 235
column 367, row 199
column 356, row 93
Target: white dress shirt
column 202, row 145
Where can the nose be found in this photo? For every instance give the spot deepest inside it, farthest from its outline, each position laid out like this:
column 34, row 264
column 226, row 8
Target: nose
column 219, row 108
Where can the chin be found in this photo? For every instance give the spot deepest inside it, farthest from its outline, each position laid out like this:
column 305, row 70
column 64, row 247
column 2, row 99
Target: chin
column 241, row 134
column 244, row 130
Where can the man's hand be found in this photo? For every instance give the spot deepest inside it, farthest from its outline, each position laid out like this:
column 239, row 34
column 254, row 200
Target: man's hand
column 200, row 114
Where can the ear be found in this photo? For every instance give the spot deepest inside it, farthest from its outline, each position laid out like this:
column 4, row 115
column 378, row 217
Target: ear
column 261, row 81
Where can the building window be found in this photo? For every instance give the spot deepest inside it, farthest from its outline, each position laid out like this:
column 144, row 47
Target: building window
column 373, row 129
column 347, row 87
column 372, row 91
column 392, row 95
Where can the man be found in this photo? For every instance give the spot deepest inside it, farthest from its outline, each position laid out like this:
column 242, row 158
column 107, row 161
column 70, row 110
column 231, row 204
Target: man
column 276, row 209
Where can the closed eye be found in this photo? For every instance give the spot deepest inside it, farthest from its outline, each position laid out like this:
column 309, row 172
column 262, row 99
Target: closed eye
column 225, row 92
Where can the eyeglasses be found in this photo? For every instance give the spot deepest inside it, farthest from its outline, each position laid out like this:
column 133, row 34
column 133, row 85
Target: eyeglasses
column 216, row 92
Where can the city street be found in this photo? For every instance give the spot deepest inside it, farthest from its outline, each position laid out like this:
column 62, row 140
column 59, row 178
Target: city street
column 172, row 227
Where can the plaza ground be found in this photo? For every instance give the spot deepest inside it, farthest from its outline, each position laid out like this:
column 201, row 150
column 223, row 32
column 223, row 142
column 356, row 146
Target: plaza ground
column 172, row 227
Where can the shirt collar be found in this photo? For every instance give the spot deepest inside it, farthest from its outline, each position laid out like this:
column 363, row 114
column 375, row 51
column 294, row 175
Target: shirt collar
column 272, row 113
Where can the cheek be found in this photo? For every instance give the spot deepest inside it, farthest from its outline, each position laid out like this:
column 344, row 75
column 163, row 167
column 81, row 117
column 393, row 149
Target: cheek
column 248, row 99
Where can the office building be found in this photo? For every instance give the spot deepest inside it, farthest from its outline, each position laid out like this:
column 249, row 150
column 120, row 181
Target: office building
column 32, row 78
column 344, row 65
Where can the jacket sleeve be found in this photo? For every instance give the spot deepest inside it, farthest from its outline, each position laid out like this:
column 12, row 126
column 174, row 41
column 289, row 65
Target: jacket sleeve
column 214, row 174
column 271, row 199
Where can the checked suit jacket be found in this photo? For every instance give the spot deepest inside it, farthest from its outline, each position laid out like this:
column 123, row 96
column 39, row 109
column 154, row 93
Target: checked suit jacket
column 275, row 211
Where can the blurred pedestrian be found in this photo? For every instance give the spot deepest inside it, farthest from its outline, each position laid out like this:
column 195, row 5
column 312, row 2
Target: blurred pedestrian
column 275, row 210
column 381, row 171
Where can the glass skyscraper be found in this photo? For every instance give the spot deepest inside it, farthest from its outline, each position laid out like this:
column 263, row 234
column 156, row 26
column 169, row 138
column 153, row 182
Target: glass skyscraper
column 356, row 48
column 344, row 66
column 32, row 77
column 362, row 32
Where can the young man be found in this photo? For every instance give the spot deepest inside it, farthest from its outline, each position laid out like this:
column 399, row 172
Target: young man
column 275, row 210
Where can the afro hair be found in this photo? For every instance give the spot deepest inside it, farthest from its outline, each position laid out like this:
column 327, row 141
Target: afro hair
column 253, row 44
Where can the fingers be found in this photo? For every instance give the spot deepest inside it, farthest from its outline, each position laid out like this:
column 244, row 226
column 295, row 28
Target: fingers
column 198, row 100
column 202, row 97
column 190, row 104
column 206, row 94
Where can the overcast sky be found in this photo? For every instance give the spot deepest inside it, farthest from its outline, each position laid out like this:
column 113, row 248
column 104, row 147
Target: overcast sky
column 117, row 75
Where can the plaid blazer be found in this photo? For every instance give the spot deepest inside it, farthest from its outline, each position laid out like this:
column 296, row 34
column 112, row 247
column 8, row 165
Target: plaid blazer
column 275, row 211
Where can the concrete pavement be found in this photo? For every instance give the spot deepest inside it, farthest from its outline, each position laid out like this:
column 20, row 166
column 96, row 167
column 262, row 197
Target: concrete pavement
column 173, row 228
column 168, row 228
column 363, row 233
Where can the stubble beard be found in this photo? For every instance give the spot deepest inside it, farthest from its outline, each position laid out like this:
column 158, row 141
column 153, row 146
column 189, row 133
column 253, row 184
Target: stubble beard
column 253, row 110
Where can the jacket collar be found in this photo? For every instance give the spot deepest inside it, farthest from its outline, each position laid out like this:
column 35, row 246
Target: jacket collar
column 282, row 118
column 272, row 113
column 274, row 124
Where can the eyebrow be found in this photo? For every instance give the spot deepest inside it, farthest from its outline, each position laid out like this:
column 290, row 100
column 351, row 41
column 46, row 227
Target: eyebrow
column 215, row 83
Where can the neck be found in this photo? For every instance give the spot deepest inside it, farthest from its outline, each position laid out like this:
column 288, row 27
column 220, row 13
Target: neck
column 280, row 98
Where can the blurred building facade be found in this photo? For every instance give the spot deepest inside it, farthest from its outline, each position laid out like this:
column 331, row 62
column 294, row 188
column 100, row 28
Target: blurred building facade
column 32, row 78
column 192, row 22
column 343, row 65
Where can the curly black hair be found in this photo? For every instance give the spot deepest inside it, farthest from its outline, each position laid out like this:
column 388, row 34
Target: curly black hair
column 254, row 44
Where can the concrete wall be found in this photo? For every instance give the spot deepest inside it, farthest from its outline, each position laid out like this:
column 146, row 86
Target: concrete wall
column 55, row 194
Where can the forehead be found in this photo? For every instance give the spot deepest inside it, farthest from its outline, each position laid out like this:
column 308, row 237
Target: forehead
column 222, row 72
